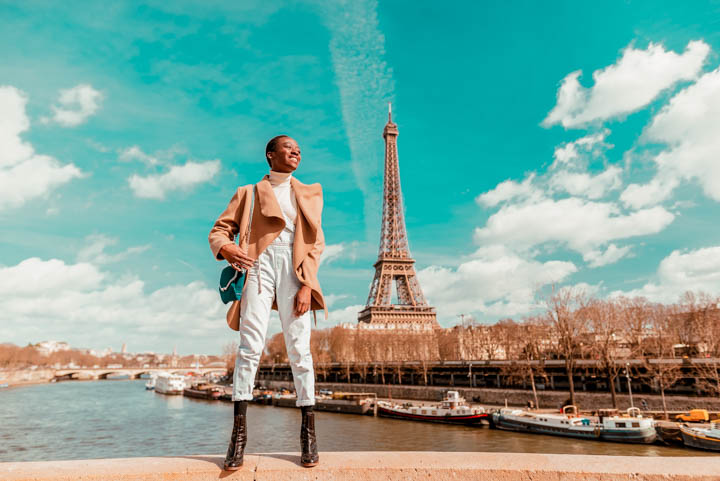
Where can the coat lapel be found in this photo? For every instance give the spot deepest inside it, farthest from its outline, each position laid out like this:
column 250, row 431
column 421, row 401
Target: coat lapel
column 305, row 196
column 269, row 206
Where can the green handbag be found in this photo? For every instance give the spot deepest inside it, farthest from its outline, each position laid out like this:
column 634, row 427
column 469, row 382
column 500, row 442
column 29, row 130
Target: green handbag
column 231, row 279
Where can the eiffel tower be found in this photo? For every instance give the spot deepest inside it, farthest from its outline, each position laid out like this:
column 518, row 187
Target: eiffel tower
column 394, row 263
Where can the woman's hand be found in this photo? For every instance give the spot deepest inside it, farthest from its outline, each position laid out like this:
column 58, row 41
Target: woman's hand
column 236, row 256
column 302, row 301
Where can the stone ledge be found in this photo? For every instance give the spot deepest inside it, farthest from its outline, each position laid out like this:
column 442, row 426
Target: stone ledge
column 356, row 466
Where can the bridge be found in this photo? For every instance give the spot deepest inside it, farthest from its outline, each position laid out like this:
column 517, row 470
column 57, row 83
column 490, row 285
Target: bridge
column 132, row 373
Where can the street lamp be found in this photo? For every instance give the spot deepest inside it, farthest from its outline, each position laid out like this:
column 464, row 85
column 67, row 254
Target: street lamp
column 627, row 374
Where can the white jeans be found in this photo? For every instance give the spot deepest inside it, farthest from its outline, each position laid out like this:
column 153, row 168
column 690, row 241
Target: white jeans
column 273, row 275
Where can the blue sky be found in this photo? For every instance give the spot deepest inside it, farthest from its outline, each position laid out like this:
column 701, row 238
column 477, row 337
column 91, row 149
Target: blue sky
column 567, row 143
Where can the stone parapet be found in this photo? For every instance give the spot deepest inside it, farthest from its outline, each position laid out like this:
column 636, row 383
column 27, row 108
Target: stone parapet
column 358, row 466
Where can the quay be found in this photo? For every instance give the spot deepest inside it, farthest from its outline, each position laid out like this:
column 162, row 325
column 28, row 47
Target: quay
column 358, row 466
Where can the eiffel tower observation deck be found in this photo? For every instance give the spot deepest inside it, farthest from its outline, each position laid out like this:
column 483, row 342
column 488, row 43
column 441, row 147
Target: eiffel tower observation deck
column 395, row 266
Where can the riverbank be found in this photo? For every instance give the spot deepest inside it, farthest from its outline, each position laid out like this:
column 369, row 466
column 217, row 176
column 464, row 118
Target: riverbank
column 485, row 396
column 388, row 465
column 515, row 397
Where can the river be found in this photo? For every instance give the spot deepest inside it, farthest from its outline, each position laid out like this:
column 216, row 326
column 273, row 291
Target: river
column 112, row 419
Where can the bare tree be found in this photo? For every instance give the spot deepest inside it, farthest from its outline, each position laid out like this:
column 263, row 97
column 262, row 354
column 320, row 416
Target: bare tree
column 665, row 369
column 566, row 315
column 605, row 324
column 702, row 333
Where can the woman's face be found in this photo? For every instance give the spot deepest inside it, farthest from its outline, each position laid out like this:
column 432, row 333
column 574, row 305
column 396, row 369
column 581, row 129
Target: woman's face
column 286, row 157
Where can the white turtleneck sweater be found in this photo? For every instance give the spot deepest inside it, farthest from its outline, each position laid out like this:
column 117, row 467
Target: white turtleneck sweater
column 285, row 196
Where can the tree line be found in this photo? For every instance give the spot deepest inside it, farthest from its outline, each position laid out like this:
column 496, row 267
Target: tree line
column 569, row 326
column 23, row 357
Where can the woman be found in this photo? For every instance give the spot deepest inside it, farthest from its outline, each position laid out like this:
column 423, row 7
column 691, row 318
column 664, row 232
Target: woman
column 282, row 257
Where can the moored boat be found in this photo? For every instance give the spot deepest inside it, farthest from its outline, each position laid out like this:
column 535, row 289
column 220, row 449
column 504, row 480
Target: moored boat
column 345, row 402
column 167, row 383
column 150, row 384
column 452, row 409
column 631, row 428
column 203, row 391
column 707, row 438
column 284, row 400
column 262, row 397
column 566, row 424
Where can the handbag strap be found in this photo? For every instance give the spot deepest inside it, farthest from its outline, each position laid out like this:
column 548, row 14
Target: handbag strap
column 247, row 231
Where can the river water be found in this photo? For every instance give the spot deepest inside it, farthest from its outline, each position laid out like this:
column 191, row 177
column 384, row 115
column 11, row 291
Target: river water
column 111, row 419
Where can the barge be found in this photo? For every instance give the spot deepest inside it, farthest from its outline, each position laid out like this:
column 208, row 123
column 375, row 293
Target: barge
column 631, row 428
column 707, row 438
column 452, row 410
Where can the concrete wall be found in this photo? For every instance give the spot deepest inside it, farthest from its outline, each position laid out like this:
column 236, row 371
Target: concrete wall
column 358, row 466
column 26, row 376
column 515, row 397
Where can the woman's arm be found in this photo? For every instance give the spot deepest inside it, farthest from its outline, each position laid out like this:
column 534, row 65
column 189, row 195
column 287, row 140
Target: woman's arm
column 225, row 229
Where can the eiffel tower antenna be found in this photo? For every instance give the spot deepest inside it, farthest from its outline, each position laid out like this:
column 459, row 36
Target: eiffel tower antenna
column 395, row 264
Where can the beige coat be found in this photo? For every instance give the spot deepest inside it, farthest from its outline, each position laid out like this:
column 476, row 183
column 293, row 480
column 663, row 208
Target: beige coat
column 267, row 223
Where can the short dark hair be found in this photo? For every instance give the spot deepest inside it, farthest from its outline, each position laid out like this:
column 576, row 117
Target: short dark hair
column 272, row 145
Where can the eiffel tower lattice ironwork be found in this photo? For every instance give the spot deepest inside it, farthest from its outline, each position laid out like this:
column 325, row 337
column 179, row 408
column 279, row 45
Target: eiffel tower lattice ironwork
column 394, row 264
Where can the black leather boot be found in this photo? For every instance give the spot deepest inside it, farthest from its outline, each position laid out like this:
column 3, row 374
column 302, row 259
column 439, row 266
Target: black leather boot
column 238, row 439
column 308, row 443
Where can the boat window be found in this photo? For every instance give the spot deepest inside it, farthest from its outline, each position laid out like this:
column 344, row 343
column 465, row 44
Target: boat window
column 434, row 412
column 635, row 424
column 619, row 425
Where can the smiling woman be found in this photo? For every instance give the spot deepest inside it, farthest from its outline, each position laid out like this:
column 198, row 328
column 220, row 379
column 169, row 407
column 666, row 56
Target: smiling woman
column 281, row 255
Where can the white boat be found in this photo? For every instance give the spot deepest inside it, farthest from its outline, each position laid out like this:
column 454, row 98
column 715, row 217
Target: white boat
column 630, row 428
column 150, row 384
column 707, row 438
column 627, row 429
column 167, row 383
column 452, row 409
column 566, row 424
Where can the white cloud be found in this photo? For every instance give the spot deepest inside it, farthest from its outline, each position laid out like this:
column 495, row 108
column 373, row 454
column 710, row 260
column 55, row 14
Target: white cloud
column 688, row 126
column 571, row 153
column 34, row 275
column 508, row 190
column 346, row 314
column 179, row 177
column 637, row 78
column 695, row 270
column 494, row 282
column 135, row 153
column 24, row 174
column 94, row 250
column 332, row 299
column 586, row 185
column 612, row 254
column 654, row 192
column 579, row 224
column 81, row 304
column 75, row 105
column 13, row 122
column 331, row 253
